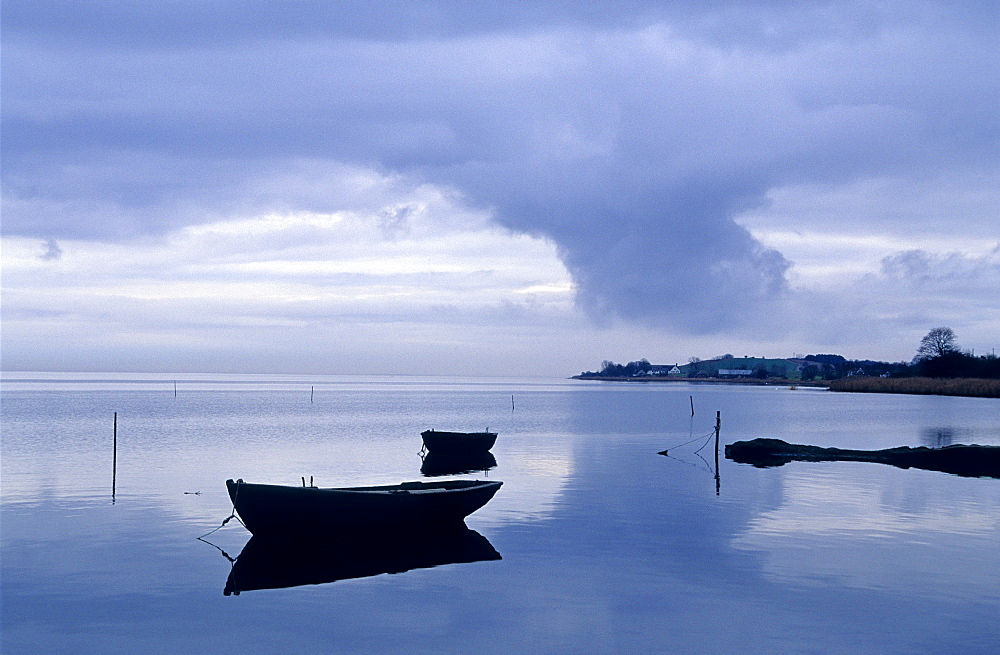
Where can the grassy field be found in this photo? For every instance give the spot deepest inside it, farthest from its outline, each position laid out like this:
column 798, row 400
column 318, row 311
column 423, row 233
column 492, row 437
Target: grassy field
column 976, row 387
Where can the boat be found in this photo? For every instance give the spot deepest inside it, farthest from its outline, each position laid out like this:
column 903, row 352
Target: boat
column 279, row 510
column 438, row 441
column 967, row 460
column 277, row 564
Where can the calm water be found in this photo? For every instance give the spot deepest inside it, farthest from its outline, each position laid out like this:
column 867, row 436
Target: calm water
column 606, row 546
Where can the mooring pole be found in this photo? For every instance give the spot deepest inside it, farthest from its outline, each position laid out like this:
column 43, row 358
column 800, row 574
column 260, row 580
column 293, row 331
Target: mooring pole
column 175, row 388
column 312, row 390
column 511, row 403
column 718, row 426
column 114, row 458
column 692, row 405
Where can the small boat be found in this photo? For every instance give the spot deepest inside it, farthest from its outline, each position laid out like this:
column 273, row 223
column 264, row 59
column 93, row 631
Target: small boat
column 277, row 564
column 278, row 510
column 436, row 441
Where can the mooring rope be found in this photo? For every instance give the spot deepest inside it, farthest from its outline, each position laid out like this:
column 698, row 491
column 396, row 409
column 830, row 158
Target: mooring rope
column 230, row 517
column 707, row 436
column 702, row 446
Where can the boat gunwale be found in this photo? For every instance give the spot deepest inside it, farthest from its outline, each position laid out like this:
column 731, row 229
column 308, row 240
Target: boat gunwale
column 442, row 486
column 485, row 433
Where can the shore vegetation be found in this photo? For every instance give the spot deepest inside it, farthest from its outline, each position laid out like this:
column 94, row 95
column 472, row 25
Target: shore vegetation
column 975, row 387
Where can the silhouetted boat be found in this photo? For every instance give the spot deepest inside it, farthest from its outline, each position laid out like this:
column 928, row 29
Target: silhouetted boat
column 276, row 564
column 456, row 463
column 436, row 441
column 277, row 510
column 960, row 459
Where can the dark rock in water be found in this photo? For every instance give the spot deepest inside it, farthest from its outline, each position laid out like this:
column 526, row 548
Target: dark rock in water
column 966, row 460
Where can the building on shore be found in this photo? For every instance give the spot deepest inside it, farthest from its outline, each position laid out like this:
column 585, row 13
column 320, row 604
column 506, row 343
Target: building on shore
column 745, row 367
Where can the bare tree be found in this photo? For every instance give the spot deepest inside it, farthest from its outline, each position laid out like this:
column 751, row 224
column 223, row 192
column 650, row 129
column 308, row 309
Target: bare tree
column 939, row 341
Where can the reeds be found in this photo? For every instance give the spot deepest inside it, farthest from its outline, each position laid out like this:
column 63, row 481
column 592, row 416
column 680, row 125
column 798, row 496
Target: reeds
column 976, row 387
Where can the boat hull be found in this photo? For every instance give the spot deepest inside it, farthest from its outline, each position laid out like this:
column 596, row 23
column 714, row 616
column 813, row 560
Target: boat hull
column 277, row 510
column 436, row 441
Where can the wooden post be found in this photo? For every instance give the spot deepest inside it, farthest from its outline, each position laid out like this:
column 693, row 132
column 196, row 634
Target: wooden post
column 114, row 458
column 312, row 390
column 511, row 403
column 692, row 405
column 718, row 425
column 175, row 388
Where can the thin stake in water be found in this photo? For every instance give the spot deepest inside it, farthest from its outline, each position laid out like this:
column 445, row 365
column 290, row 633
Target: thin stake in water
column 718, row 426
column 114, row 459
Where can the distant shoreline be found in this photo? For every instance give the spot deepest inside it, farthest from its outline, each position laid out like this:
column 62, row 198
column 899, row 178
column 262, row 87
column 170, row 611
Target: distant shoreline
column 964, row 387
column 771, row 382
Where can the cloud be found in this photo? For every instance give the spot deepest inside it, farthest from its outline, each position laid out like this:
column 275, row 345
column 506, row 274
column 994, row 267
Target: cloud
column 919, row 267
column 881, row 310
column 953, row 288
column 282, row 292
column 52, row 250
column 633, row 139
column 953, row 205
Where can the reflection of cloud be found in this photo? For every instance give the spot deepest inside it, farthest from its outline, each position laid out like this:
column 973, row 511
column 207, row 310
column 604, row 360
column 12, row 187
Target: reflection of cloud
column 833, row 528
column 533, row 483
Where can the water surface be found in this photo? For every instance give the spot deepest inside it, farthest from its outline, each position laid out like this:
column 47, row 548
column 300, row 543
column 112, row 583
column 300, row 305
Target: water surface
column 604, row 545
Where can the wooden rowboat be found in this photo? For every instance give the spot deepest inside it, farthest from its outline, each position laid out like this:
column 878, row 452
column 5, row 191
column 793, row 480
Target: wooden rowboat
column 436, row 441
column 278, row 511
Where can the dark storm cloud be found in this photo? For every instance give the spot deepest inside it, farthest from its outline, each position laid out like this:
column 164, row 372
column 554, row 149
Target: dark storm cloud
column 778, row 23
column 136, row 23
column 629, row 137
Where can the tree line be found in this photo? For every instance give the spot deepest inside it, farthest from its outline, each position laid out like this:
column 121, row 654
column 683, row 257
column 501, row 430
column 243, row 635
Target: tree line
column 939, row 356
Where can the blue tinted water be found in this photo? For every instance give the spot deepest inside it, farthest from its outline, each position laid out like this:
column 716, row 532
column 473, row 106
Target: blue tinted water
column 606, row 546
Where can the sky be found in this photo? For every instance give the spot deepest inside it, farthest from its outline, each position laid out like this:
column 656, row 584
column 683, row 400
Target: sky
column 507, row 188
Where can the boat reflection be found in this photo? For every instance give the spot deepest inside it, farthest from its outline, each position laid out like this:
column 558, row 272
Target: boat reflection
column 278, row 564
column 435, row 464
